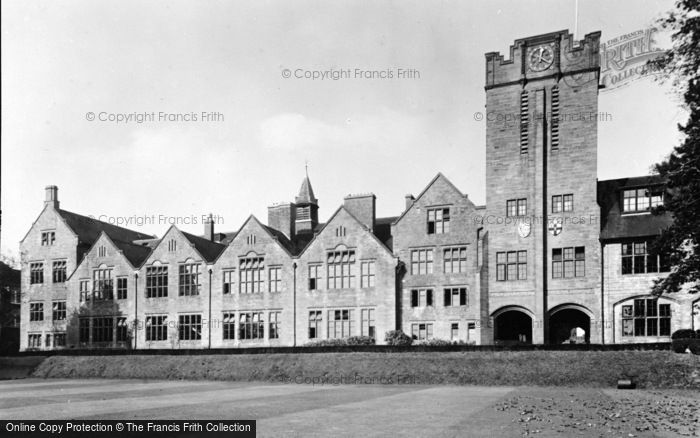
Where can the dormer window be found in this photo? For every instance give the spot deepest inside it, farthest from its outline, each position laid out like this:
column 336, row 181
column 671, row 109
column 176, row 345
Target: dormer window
column 641, row 200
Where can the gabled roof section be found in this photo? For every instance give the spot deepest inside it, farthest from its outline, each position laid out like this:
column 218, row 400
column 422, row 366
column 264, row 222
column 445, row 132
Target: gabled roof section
column 362, row 226
column 288, row 246
column 438, row 177
column 209, row 251
column 88, row 229
column 306, row 193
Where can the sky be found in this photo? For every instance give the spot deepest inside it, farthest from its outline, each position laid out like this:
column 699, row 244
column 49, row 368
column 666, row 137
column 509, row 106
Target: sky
column 63, row 61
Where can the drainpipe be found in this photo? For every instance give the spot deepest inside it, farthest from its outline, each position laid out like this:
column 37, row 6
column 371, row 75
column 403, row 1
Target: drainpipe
column 602, row 293
column 294, row 307
column 209, row 321
column 136, row 308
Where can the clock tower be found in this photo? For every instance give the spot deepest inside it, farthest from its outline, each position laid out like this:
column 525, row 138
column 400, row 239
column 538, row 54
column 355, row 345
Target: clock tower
column 542, row 217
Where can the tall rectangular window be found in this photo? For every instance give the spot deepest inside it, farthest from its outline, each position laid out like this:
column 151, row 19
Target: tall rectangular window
column 190, row 327
column 438, row 220
column 48, row 238
column 511, row 265
column 340, row 323
column 122, row 330
column 315, row 277
column 102, row 329
column 275, row 321
column 422, row 331
column 275, row 279
column 554, row 120
column 421, row 261
column 188, row 276
column 122, row 288
column 59, row 271
column 251, row 272
column 229, row 326
column 36, row 311
column 251, row 325
column 58, row 311
column 340, row 269
column 84, row 330
column 34, row 340
column 367, row 327
column 156, row 281
column 84, row 290
column 454, row 331
column 367, row 274
column 569, row 202
column 454, row 260
column 557, row 204
column 524, row 122
column 636, row 259
column 455, row 296
column 229, row 278
column 646, row 317
column 421, row 297
column 102, row 284
column 315, row 323
column 157, row 328
column 36, row 273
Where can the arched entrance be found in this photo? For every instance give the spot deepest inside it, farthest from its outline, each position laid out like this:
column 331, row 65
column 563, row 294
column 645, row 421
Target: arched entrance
column 512, row 325
column 569, row 324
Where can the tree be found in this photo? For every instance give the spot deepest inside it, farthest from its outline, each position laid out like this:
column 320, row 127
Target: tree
column 681, row 169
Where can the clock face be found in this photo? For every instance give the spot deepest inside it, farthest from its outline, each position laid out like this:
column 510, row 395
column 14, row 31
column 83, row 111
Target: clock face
column 540, row 58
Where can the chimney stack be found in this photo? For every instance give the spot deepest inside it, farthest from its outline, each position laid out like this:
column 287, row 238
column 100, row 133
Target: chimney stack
column 209, row 228
column 52, row 196
column 282, row 217
column 363, row 208
column 409, row 201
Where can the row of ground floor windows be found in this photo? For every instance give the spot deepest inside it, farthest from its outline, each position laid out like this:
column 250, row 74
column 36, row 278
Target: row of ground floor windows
column 234, row 325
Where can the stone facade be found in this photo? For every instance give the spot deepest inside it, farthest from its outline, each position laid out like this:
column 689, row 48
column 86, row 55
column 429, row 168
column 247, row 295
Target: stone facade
column 541, row 262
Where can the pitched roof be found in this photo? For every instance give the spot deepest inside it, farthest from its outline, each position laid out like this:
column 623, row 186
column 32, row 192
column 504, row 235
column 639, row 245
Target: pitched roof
column 89, row 229
column 136, row 254
column 437, row 177
column 614, row 225
column 209, row 250
column 306, row 193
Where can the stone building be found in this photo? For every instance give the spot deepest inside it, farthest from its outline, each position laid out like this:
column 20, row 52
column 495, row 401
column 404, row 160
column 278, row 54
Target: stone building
column 554, row 256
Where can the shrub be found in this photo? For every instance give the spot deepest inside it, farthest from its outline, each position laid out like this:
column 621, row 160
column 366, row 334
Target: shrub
column 684, row 334
column 397, row 338
column 680, row 345
column 327, row 343
column 360, row 340
column 434, row 342
column 694, row 346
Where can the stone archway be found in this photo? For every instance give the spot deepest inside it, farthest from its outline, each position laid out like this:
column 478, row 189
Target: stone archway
column 569, row 324
column 512, row 326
